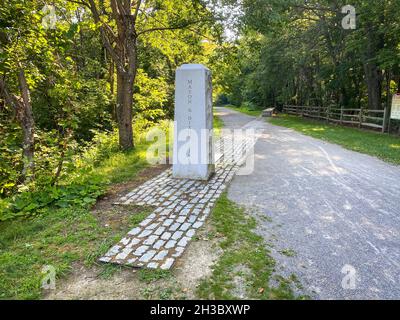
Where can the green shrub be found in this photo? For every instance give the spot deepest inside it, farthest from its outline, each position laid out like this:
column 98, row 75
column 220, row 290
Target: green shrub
column 250, row 106
column 151, row 95
column 82, row 181
column 38, row 202
column 10, row 158
column 79, row 185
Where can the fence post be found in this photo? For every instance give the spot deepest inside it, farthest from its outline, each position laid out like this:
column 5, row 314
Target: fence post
column 386, row 119
column 341, row 114
column 328, row 113
column 360, row 118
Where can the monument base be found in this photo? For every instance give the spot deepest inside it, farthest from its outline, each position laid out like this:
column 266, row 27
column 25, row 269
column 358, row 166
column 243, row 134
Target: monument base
column 197, row 174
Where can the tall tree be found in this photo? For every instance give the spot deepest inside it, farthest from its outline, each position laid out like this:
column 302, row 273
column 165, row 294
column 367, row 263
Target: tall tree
column 121, row 24
column 20, row 36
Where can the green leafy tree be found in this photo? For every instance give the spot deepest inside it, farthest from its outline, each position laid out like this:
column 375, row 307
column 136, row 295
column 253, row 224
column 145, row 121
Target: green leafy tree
column 122, row 24
column 22, row 40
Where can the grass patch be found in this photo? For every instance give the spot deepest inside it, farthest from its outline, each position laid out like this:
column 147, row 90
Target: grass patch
column 61, row 237
column 288, row 253
column 218, row 125
column 148, row 275
column 383, row 146
column 243, row 249
column 170, row 291
column 137, row 218
column 58, row 238
column 108, row 270
column 246, row 110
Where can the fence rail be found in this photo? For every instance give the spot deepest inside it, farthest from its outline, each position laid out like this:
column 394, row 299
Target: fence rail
column 360, row 117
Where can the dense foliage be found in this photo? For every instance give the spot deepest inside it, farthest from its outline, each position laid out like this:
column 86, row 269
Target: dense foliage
column 296, row 52
column 60, row 88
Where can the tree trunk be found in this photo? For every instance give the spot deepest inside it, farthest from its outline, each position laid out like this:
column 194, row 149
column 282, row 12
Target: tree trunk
column 124, row 110
column 373, row 77
column 23, row 110
column 111, row 76
column 373, row 74
column 124, row 56
column 25, row 116
column 386, row 116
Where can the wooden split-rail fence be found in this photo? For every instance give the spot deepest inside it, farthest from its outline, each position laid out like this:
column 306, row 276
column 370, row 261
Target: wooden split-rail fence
column 363, row 118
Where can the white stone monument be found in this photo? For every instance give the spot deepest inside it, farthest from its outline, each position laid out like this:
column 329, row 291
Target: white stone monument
column 193, row 156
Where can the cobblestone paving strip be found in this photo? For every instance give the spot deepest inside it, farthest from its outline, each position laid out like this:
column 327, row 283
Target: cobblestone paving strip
column 182, row 207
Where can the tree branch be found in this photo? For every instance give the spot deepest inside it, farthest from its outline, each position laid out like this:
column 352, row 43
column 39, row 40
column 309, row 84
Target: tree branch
column 182, row 26
column 82, row 3
column 10, row 98
column 96, row 16
column 135, row 14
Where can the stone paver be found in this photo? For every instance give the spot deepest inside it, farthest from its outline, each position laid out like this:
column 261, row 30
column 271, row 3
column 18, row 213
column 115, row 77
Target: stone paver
column 181, row 209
